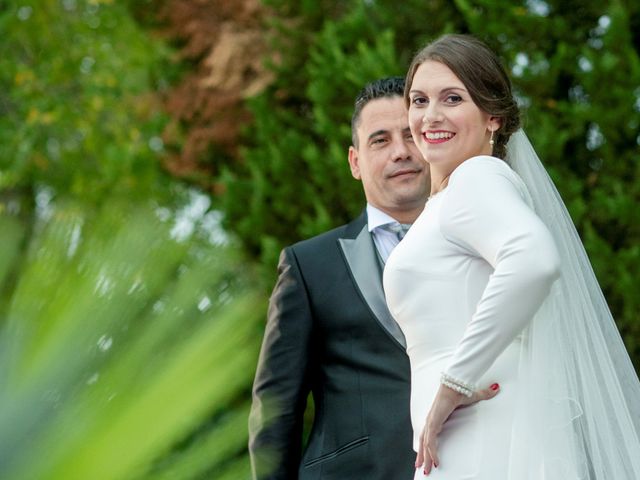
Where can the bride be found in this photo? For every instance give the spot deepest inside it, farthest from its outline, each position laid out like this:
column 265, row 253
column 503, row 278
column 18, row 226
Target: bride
column 518, row 370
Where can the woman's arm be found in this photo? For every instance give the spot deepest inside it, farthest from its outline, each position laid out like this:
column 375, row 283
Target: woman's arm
column 487, row 215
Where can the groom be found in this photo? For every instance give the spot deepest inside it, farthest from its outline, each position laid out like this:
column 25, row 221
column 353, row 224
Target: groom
column 329, row 331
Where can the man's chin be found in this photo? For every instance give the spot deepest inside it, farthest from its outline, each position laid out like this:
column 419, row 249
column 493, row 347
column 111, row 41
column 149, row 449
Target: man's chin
column 411, row 198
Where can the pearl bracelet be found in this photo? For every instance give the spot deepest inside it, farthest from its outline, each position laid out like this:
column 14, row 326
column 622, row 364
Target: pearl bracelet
column 466, row 389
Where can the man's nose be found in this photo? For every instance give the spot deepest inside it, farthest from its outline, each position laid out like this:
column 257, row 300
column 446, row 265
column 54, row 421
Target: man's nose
column 401, row 149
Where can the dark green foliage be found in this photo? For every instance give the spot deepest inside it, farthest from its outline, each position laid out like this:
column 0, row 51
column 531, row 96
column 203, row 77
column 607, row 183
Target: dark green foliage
column 576, row 69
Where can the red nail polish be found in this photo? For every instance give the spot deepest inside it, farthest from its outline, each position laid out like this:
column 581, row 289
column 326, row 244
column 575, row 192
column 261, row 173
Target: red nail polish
column 495, row 386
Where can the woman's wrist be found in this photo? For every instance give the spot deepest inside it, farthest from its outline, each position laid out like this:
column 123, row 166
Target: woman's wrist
column 456, row 385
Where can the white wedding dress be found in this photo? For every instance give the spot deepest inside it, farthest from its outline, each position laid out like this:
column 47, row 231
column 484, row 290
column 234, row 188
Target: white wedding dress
column 463, row 284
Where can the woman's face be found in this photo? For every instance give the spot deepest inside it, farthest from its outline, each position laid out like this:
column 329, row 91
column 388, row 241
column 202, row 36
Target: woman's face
column 446, row 125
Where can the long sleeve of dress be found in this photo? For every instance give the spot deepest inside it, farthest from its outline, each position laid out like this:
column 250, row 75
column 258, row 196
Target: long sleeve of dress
column 486, row 215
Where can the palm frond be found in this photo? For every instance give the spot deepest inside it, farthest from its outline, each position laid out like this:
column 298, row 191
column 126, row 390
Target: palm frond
column 119, row 343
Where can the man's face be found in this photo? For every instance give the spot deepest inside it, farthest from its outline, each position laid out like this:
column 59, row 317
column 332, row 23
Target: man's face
column 394, row 175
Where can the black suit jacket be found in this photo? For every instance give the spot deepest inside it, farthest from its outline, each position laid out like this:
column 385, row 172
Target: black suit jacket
column 329, row 332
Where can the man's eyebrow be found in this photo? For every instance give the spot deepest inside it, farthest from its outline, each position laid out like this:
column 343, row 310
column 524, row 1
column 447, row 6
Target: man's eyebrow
column 377, row 133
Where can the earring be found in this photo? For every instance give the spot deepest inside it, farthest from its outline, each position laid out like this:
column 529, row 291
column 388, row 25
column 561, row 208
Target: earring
column 491, row 142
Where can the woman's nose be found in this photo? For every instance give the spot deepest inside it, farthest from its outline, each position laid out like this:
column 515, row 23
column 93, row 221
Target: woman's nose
column 432, row 113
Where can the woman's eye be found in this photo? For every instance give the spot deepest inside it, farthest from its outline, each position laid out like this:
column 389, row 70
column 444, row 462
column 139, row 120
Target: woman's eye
column 454, row 99
column 419, row 100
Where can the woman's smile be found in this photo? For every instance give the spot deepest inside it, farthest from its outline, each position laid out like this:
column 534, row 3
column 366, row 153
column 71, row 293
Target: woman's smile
column 437, row 136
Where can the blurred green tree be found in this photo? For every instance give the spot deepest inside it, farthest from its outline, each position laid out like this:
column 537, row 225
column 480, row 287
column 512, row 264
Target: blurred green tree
column 79, row 114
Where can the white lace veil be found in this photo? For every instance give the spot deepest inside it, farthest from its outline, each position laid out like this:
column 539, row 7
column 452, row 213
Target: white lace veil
column 581, row 394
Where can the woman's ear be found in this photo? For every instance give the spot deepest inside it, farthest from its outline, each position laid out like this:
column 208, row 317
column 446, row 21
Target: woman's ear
column 494, row 123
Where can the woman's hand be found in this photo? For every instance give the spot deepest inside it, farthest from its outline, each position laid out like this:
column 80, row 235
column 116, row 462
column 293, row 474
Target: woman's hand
column 445, row 402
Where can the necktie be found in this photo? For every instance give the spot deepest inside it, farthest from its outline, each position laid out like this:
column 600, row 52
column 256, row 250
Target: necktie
column 399, row 229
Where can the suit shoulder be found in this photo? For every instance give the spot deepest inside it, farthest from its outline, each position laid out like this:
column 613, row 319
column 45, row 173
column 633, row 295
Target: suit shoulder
column 321, row 241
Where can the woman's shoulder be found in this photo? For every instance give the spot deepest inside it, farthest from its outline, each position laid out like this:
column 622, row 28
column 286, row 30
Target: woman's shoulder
column 485, row 174
column 481, row 165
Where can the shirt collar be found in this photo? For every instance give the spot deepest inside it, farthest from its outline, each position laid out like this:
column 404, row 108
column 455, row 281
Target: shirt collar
column 376, row 218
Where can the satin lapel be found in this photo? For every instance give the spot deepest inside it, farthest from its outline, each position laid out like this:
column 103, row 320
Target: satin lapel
column 360, row 255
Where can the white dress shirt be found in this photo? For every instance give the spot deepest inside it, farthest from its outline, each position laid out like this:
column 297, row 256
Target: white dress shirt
column 384, row 240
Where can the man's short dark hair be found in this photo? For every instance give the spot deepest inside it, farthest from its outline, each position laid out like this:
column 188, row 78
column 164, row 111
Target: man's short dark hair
column 381, row 88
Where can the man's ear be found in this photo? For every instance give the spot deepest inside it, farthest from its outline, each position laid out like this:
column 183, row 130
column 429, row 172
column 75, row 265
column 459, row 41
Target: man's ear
column 353, row 162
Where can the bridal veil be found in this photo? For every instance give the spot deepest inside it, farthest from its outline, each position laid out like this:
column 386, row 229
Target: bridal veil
column 582, row 395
